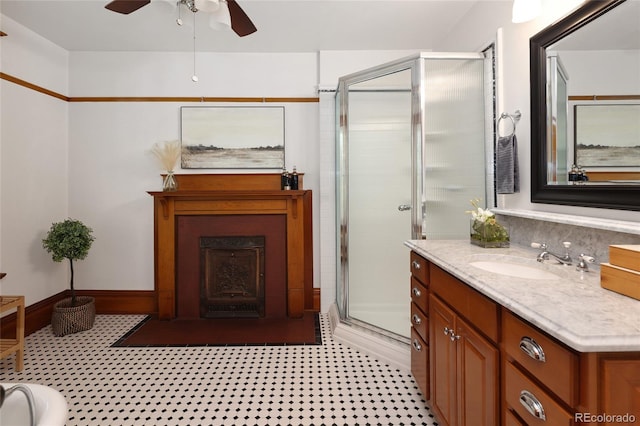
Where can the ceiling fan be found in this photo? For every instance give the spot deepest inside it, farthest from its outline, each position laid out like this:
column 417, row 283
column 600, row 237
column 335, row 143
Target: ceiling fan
column 240, row 22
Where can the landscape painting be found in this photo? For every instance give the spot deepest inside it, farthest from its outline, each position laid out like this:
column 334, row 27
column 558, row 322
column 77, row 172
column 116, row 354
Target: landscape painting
column 607, row 135
column 232, row 137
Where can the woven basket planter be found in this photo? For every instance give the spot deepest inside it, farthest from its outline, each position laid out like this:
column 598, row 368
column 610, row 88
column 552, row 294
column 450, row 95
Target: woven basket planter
column 67, row 319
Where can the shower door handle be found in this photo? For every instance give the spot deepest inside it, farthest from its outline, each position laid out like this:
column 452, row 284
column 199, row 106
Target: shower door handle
column 404, row 207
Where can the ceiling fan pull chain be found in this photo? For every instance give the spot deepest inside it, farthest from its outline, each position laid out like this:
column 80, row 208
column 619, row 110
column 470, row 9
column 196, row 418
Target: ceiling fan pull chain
column 179, row 19
column 194, row 77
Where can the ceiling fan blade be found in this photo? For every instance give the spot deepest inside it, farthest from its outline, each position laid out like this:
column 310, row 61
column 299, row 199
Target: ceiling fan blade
column 126, row 6
column 240, row 22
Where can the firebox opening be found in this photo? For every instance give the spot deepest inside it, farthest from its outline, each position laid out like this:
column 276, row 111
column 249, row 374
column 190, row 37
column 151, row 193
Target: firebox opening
column 232, row 277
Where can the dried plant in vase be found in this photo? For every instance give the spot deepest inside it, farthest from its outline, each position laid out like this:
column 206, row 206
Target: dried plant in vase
column 168, row 153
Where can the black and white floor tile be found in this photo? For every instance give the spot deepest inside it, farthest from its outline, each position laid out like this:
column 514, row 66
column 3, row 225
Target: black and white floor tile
column 328, row 384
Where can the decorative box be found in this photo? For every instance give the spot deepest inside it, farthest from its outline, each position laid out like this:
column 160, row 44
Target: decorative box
column 625, row 256
column 621, row 280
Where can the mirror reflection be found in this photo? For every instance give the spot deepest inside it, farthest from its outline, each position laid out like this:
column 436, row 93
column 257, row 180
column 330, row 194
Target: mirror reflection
column 593, row 102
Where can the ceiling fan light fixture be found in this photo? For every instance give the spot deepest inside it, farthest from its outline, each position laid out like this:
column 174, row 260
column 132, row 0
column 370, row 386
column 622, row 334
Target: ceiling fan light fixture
column 221, row 18
column 208, row 6
column 525, row 10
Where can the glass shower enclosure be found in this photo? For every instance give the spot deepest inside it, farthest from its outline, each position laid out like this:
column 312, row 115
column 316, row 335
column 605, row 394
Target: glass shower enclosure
column 558, row 121
column 411, row 153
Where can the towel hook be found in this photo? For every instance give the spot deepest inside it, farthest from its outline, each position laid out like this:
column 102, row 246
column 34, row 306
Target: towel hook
column 515, row 117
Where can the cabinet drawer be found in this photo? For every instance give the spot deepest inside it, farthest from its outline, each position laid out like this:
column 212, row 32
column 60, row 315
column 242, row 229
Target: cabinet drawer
column 420, row 322
column 419, row 268
column 526, row 398
column 511, row 419
column 420, row 363
column 558, row 371
column 481, row 311
column 419, row 295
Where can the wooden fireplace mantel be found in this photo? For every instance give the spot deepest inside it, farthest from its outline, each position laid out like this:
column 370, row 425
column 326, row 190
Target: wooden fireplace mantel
column 229, row 194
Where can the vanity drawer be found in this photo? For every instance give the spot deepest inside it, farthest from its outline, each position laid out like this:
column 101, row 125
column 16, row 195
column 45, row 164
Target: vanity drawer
column 420, row 322
column 419, row 295
column 419, row 267
column 511, row 419
column 559, row 369
column 420, row 363
column 529, row 401
column 478, row 309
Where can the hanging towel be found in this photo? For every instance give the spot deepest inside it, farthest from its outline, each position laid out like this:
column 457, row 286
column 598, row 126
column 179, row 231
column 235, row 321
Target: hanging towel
column 507, row 173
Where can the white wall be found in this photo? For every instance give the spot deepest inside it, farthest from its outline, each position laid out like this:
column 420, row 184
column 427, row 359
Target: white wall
column 611, row 72
column 110, row 169
column 169, row 74
column 334, row 64
column 32, row 58
column 513, row 56
column 33, row 163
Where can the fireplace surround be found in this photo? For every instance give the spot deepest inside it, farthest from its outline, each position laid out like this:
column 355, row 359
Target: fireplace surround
column 250, row 197
column 194, row 231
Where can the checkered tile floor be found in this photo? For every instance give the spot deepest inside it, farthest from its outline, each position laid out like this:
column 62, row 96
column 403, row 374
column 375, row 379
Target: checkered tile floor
column 328, row 384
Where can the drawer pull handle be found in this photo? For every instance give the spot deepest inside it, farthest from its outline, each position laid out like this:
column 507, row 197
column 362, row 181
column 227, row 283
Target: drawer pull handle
column 532, row 349
column 447, row 331
column 416, row 292
column 416, row 265
column 416, row 319
column 532, row 405
column 416, row 345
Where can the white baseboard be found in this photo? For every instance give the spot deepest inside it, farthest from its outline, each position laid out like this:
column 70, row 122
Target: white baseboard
column 384, row 349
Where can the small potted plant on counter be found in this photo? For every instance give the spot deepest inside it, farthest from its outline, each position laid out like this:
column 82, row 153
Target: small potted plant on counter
column 70, row 239
column 485, row 229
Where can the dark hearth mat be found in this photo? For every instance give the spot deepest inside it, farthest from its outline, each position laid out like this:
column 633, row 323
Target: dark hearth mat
column 224, row 332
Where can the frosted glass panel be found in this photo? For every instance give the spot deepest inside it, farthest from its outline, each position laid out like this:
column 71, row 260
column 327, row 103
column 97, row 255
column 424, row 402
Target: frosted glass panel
column 454, row 144
column 379, row 174
column 558, row 168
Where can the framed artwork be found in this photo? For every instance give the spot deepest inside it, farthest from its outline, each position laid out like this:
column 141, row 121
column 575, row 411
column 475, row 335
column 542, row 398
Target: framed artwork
column 607, row 135
column 232, row 137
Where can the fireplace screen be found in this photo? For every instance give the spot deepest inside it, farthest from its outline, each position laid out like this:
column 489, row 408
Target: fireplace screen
column 232, row 277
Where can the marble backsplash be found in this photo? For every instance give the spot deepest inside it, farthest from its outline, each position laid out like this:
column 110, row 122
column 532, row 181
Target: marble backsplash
column 584, row 238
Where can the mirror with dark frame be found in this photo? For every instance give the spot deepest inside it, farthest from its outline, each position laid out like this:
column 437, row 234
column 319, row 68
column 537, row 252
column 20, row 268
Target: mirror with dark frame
column 554, row 146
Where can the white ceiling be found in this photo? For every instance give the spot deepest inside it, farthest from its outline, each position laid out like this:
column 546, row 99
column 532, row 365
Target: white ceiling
column 283, row 25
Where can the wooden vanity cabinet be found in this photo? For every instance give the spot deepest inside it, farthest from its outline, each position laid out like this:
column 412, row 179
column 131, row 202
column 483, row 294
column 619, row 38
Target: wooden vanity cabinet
column 617, row 384
column 481, row 364
column 542, row 377
column 540, row 374
column 420, row 322
column 464, row 358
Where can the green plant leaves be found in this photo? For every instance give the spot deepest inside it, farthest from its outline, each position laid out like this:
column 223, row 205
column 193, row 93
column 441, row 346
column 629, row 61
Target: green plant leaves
column 70, row 239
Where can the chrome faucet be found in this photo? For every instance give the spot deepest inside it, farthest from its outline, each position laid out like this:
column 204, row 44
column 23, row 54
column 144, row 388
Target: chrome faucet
column 583, row 261
column 564, row 259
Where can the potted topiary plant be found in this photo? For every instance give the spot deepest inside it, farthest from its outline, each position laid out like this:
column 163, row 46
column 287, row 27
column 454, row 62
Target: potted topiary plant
column 70, row 239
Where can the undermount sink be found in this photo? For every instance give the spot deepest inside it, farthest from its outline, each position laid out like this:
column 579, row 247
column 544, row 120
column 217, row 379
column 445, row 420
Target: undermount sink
column 512, row 266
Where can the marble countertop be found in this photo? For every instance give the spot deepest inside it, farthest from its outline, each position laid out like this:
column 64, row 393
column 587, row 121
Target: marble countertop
column 573, row 308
